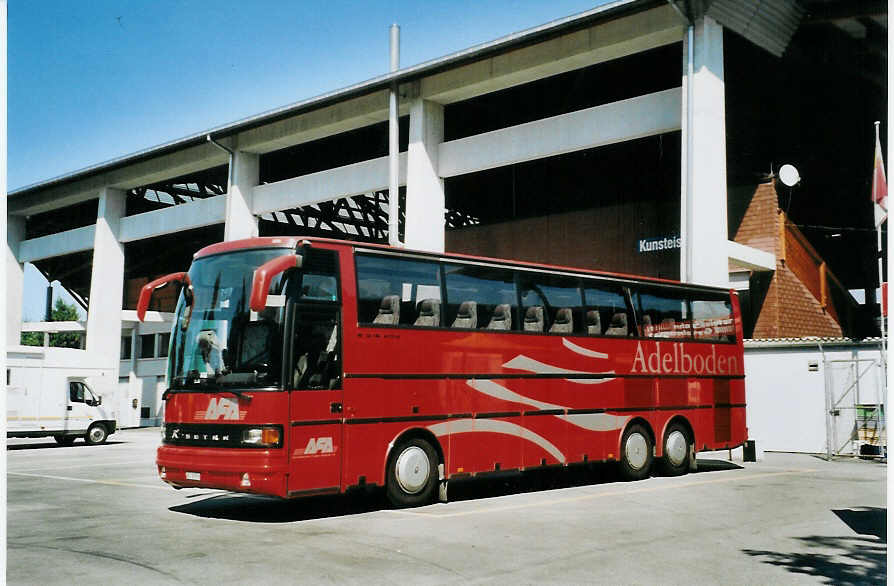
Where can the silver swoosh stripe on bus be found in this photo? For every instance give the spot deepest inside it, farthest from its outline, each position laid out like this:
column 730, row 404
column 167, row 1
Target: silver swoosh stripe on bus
column 590, row 421
column 489, row 387
column 581, row 350
column 522, row 362
column 495, row 426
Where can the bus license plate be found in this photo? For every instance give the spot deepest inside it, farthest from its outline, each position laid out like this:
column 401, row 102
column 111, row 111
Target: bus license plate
column 193, row 476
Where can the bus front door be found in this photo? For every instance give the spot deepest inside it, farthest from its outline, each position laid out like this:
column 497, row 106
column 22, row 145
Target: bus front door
column 315, row 410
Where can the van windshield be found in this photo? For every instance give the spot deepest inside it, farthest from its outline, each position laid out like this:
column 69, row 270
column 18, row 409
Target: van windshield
column 217, row 339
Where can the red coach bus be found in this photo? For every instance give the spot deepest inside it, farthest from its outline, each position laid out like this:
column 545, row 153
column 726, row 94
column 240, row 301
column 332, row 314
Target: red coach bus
column 303, row 366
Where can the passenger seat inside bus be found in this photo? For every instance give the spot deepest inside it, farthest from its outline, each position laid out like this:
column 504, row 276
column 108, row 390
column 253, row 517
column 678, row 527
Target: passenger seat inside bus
column 429, row 313
column 594, row 327
column 389, row 311
column 502, row 318
column 467, row 316
column 534, row 319
column 564, row 322
column 618, row 325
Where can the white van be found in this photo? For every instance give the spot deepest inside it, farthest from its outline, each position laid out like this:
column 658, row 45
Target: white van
column 52, row 392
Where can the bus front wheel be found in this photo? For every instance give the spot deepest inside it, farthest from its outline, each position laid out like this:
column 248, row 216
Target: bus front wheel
column 412, row 474
column 677, row 451
column 636, row 453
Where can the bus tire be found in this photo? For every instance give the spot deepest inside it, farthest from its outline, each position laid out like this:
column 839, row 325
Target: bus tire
column 412, row 475
column 636, row 453
column 64, row 440
column 676, row 451
column 96, row 434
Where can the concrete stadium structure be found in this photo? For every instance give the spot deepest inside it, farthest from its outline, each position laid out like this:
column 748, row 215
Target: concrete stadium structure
column 520, row 147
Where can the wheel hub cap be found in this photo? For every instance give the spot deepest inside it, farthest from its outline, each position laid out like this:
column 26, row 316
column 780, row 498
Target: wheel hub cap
column 635, row 449
column 675, row 450
column 412, row 469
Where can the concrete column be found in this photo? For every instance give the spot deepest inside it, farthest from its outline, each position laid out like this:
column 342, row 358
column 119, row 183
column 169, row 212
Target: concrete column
column 15, row 279
column 244, row 176
column 107, row 282
column 703, row 224
column 425, row 189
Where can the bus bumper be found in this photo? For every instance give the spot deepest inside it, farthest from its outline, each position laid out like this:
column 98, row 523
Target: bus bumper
column 237, row 470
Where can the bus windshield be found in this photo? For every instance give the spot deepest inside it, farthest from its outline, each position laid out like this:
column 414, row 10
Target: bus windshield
column 217, row 340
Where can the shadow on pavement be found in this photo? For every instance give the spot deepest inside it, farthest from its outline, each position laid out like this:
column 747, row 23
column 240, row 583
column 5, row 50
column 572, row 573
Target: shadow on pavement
column 261, row 509
column 866, row 521
column 44, row 445
column 841, row 560
column 717, row 465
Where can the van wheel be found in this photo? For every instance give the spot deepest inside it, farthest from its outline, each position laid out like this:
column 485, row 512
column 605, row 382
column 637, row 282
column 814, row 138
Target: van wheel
column 677, row 451
column 64, row 440
column 636, row 453
column 412, row 474
column 96, row 434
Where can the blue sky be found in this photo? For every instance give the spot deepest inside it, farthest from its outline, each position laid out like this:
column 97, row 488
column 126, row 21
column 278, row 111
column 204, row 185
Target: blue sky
column 93, row 81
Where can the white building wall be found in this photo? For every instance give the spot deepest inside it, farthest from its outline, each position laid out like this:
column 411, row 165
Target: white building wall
column 787, row 401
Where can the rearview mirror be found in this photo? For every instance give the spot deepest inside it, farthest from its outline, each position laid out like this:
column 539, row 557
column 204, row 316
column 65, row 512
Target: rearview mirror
column 264, row 274
column 149, row 288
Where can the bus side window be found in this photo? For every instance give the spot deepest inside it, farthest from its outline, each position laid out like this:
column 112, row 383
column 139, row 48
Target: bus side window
column 663, row 313
column 560, row 298
column 712, row 317
column 605, row 308
column 491, row 289
column 413, row 286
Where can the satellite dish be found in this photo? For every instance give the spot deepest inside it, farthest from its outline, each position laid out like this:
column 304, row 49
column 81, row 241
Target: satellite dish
column 789, row 175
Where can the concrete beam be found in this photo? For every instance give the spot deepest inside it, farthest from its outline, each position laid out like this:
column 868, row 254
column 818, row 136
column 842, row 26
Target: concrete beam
column 703, row 222
column 425, row 188
column 167, row 166
column 750, row 258
column 195, row 214
column 599, row 43
column 598, row 126
column 240, row 222
column 355, row 179
column 54, row 327
column 326, row 121
column 14, row 276
column 59, row 244
column 107, row 282
column 129, row 316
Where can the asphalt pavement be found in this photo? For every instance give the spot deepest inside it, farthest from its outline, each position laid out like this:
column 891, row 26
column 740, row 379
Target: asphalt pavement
column 99, row 514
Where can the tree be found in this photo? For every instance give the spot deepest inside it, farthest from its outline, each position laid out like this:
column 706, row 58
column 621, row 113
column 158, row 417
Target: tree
column 63, row 311
column 32, row 339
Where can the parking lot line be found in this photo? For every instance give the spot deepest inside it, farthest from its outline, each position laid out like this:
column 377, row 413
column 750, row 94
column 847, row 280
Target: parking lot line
column 90, row 481
column 586, row 497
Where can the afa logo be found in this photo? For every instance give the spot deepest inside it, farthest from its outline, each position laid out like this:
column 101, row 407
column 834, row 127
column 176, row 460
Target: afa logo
column 222, row 408
column 321, row 445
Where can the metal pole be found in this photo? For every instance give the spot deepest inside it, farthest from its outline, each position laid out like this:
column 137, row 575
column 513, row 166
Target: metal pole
column 48, row 312
column 393, row 144
column 878, row 297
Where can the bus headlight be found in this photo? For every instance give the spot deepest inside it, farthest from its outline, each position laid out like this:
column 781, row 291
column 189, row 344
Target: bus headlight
column 268, row 436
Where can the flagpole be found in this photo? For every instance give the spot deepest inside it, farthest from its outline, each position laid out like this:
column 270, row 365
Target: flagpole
column 881, row 279
column 881, row 275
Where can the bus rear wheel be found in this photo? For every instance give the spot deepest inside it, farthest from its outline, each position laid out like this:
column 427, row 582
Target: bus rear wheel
column 64, row 440
column 412, row 474
column 677, row 451
column 636, row 453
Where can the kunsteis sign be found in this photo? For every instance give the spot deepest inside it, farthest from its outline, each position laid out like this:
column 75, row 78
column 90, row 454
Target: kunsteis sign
column 659, row 243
